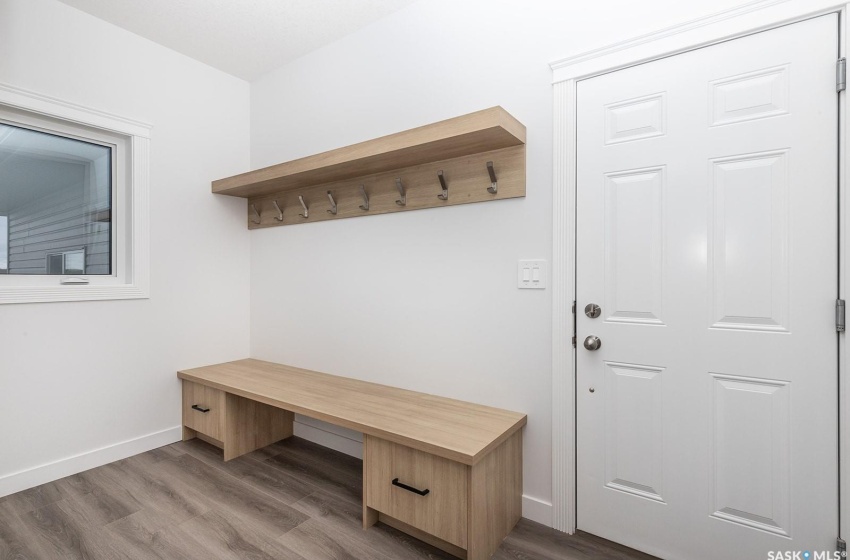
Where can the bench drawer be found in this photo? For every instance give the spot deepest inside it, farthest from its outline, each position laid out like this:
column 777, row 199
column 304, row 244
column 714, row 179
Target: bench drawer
column 203, row 398
column 396, row 476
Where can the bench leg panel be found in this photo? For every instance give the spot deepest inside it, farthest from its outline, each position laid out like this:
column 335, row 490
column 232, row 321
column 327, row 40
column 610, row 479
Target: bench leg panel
column 250, row 425
column 495, row 498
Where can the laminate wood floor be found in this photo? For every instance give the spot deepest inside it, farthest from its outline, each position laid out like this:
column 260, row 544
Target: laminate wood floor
column 293, row 500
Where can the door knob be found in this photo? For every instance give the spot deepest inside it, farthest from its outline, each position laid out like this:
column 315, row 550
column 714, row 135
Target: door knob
column 592, row 310
column 592, row 342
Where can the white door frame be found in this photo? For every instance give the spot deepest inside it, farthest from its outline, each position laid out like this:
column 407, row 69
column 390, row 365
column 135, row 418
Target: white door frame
column 743, row 20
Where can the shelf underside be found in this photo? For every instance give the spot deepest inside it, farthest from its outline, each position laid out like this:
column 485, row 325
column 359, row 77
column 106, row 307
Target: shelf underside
column 466, row 177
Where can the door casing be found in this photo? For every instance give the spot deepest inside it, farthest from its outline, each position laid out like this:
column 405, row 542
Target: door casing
column 731, row 24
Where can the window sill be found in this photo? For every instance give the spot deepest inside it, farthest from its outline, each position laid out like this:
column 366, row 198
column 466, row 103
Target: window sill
column 45, row 294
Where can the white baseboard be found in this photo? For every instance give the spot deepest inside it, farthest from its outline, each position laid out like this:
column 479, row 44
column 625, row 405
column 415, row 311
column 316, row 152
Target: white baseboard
column 328, row 435
column 537, row 510
column 349, row 442
column 22, row 480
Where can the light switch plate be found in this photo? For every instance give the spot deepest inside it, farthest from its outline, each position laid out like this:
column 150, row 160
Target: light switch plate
column 532, row 275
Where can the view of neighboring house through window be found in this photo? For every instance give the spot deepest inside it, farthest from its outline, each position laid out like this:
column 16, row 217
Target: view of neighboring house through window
column 69, row 262
column 55, row 204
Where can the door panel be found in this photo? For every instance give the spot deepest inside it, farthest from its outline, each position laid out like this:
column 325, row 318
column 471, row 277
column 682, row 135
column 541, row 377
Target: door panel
column 635, row 245
column 748, row 241
column 750, row 468
column 707, row 232
column 634, row 433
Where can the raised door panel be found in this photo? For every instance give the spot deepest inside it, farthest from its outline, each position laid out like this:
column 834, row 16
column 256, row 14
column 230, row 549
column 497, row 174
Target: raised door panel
column 635, row 119
column 633, row 430
column 751, row 452
column 750, row 242
column 634, row 246
column 753, row 95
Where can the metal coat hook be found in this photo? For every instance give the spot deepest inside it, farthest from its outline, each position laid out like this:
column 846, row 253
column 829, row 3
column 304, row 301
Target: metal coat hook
column 402, row 192
column 445, row 193
column 279, row 216
column 259, row 219
column 333, row 203
column 306, row 213
column 494, row 186
column 365, row 205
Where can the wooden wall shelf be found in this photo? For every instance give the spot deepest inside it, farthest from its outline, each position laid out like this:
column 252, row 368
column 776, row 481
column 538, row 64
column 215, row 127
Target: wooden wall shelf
column 459, row 147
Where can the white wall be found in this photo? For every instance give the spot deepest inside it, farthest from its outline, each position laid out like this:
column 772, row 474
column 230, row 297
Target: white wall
column 77, row 377
column 427, row 300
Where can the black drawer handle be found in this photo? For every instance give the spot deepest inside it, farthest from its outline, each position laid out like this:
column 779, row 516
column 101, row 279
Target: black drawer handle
column 411, row 488
column 199, row 408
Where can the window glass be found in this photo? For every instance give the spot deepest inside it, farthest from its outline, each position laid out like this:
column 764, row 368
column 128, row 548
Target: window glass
column 55, row 204
column 75, row 262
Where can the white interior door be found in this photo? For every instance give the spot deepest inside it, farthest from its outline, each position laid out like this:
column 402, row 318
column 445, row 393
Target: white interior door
column 707, row 234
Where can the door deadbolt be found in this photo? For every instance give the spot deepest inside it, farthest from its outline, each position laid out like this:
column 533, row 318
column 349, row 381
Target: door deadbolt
column 592, row 342
column 592, row 310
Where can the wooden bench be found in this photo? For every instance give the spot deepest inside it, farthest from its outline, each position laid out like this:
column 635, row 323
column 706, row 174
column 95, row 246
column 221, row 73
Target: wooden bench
column 445, row 471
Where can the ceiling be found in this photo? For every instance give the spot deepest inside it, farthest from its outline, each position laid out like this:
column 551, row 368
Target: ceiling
column 245, row 38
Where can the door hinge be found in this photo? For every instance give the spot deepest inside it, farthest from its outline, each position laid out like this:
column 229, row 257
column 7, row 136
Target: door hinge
column 841, row 545
column 840, row 315
column 574, row 324
column 841, row 75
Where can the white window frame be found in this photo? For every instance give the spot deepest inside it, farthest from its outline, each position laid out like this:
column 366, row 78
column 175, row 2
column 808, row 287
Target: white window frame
column 130, row 139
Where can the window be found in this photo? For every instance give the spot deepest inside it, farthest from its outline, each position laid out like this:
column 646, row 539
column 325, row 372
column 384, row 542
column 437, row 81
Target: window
column 69, row 262
column 73, row 202
column 56, row 193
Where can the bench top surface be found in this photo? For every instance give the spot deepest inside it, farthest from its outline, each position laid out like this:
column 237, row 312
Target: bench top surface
column 457, row 430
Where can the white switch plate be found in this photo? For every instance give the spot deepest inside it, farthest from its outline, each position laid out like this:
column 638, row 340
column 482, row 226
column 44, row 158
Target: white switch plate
column 532, row 275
